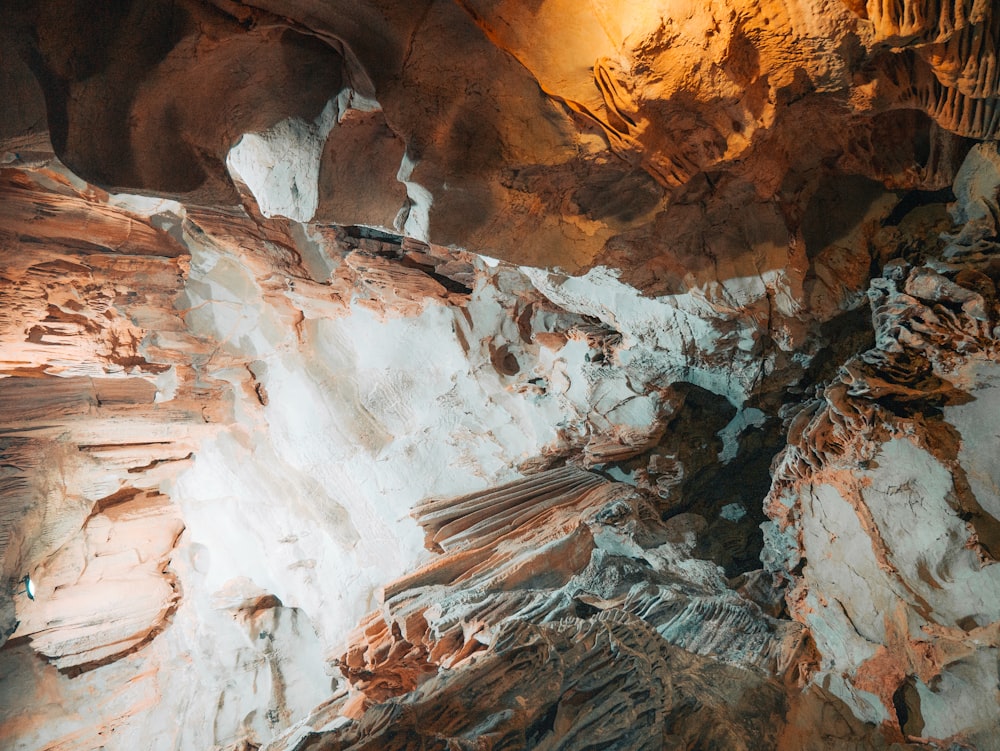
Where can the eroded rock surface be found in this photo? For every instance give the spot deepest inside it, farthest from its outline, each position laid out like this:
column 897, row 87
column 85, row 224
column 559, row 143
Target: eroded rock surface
column 886, row 508
column 510, row 129
column 499, row 375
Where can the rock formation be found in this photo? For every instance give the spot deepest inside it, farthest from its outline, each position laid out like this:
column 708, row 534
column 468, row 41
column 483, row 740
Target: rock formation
column 473, row 375
column 883, row 496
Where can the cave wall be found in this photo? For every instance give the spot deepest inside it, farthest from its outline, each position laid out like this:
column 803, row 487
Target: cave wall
column 499, row 375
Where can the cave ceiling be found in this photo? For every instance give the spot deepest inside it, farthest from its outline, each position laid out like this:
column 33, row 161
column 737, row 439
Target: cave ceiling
column 462, row 374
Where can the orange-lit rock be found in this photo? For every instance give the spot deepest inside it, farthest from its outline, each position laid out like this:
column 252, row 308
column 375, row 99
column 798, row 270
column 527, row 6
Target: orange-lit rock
column 118, row 559
column 561, row 135
column 499, row 375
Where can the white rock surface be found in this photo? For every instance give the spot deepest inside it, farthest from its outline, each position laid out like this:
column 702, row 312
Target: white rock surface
column 281, row 165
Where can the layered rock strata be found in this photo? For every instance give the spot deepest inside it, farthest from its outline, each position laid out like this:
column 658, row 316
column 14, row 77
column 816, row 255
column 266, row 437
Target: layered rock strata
column 562, row 614
column 87, row 435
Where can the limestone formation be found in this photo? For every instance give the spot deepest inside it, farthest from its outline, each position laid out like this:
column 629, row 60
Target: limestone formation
column 499, row 375
column 885, row 506
column 505, row 129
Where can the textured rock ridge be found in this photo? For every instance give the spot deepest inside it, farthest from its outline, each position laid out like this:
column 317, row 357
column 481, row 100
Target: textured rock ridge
column 885, row 510
column 80, row 393
column 941, row 57
column 550, row 621
column 496, row 375
column 587, row 638
column 583, row 684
